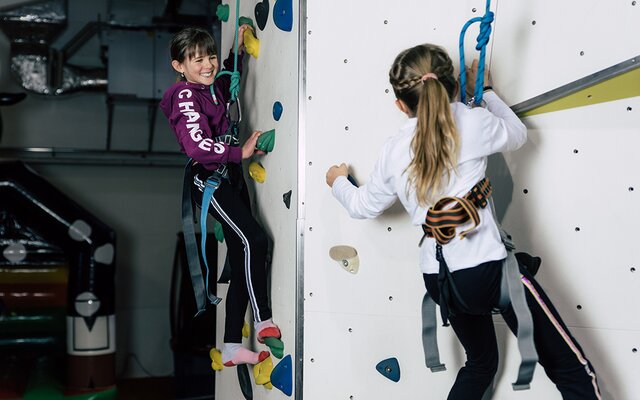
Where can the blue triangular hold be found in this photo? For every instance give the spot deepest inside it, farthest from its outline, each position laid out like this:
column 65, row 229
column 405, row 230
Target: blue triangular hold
column 283, row 14
column 389, row 368
column 282, row 376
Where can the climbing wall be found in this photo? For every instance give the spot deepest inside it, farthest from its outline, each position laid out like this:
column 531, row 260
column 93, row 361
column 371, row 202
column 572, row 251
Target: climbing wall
column 568, row 195
column 271, row 78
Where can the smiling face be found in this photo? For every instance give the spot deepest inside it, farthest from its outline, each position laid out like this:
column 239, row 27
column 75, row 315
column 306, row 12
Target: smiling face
column 200, row 68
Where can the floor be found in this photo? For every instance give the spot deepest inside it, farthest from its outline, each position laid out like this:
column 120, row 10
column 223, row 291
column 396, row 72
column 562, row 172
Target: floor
column 165, row 388
column 146, row 389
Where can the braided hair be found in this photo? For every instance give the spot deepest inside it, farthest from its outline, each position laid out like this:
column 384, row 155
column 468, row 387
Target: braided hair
column 422, row 77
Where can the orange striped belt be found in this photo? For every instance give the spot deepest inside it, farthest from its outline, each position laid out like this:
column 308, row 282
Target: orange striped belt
column 441, row 220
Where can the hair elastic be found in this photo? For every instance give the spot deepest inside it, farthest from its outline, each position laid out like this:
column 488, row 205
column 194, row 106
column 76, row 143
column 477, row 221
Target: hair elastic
column 429, row 75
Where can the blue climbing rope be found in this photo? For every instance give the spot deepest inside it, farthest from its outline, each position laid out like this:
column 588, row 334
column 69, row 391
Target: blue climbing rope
column 482, row 40
column 234, row 88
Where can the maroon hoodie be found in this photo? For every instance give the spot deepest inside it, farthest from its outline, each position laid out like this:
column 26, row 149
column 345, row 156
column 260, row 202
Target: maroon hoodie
column 196, row 119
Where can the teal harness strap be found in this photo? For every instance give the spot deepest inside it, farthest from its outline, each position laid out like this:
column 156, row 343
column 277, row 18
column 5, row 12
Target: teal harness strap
column 482, row 40
column 200, row 289
column 210, row 186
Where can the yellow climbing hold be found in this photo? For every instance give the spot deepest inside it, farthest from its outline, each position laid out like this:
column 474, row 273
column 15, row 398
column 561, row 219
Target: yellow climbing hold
column 262, row 372
column 257, row 172
column 245, row 330
column 216, row 359
column 251, row 43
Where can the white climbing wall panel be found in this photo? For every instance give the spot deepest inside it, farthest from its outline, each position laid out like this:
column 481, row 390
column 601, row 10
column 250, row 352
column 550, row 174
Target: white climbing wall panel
column 570, row 195
column 579, row 171
column 269, row 78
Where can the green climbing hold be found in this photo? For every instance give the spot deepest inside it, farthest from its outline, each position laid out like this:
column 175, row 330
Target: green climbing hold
column 245, row 20
column 275, row 345
column 222, row 12
column 217, row 231
column 267, row 141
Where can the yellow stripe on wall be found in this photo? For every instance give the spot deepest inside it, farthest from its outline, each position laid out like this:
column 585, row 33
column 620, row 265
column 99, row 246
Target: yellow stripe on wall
column 619, row 87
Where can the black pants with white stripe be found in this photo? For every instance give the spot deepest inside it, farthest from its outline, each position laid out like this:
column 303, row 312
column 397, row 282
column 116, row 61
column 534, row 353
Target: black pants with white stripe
column 559, row 353
column 247, row 248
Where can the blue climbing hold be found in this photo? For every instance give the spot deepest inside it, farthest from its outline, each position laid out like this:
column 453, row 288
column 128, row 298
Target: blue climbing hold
column 283, row 14
column 282, row 376
column 389, row 368
column 352, row 180
column 277, row 110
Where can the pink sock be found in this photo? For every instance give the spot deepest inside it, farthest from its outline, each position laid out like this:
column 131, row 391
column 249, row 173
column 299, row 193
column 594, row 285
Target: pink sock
column 234, row 354
column 267, row 329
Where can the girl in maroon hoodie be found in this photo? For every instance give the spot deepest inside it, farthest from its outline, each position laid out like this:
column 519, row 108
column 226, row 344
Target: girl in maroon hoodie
column 197, row 111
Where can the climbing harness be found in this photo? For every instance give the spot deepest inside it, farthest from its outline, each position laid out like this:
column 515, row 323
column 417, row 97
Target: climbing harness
column 440, row 224
column 211, row 184
column 200, row 287
column 482, row 40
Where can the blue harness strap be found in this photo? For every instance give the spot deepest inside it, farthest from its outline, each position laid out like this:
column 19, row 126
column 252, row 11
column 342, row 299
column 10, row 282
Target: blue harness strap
column 200, row 288
column 210, row 186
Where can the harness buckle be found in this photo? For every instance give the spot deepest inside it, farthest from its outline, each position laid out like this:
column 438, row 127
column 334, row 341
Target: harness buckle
column 213, row 182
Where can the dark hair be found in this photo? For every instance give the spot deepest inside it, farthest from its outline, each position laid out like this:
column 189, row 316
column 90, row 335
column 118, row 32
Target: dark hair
column 189, row 41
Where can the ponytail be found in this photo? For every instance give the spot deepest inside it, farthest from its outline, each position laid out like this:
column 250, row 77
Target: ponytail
column 422, row 77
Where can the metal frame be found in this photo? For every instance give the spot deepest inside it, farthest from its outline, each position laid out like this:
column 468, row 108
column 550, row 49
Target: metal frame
column 302, row 95
column 578, row 85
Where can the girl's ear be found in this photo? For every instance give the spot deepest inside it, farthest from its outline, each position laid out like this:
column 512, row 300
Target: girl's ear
column 403, row 107
column 177, row 66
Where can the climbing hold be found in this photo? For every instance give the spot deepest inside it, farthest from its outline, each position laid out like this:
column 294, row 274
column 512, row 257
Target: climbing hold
column 216, row 359
column 277, row 110
column 281, row 377
column 257, row 172
column 245, row 330
column 251, row 43
column 353, row 180
column 217, row 231
column 222, row 12
column 245, row 21
column 347, row 257
column 262, row 372
column 267, row 141
column 287, row 199
column 245, row 381
column 262, row 13
column 275, row 345
column 283, row 14
column 389, row 368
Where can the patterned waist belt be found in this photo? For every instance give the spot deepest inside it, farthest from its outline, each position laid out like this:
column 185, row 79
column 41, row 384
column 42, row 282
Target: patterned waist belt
column 441, row 222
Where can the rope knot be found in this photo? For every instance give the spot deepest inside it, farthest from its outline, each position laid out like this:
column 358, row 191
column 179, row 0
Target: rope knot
column 485, row 30
column 234, row 88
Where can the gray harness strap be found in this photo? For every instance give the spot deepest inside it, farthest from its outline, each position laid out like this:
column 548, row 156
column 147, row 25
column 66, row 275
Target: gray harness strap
column 511, row 293
column 429, row 335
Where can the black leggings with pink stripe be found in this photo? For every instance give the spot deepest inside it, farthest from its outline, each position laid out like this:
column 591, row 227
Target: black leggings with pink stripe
column 559, row 353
